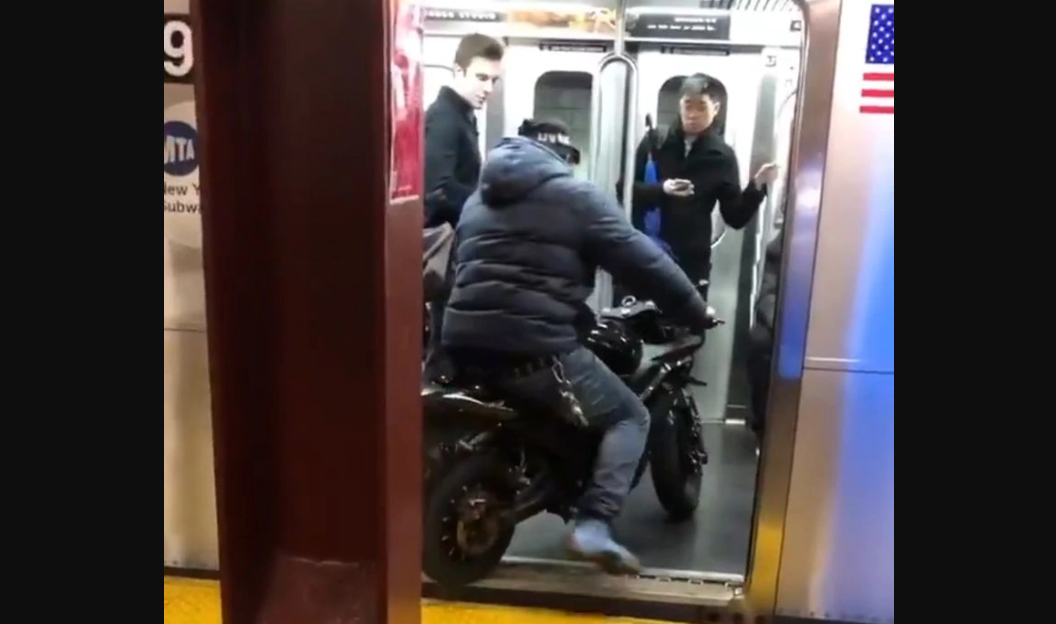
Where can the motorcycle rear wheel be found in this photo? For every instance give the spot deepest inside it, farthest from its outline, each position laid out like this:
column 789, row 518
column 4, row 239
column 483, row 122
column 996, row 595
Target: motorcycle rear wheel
column 464, row 539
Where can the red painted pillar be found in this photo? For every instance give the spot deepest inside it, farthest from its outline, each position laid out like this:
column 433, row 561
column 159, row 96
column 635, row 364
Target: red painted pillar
column 314, row 313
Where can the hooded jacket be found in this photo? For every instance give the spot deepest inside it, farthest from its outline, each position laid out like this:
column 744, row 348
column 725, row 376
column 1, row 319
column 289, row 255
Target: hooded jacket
column 529, row 242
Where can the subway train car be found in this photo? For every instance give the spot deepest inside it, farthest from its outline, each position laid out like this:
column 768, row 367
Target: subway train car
column 799, row 526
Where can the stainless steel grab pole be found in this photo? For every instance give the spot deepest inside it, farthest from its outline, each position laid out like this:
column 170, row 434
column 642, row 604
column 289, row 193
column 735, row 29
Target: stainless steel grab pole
column 631, row 146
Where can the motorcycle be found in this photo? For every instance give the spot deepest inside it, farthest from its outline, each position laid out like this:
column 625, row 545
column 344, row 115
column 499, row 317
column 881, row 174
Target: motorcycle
column 508, row 465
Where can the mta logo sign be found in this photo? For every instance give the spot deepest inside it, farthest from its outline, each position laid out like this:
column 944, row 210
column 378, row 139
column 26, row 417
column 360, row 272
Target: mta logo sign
column 181, row 148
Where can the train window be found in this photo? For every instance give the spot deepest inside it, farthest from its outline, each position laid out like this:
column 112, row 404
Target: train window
column 565, row 95
column 667, row 104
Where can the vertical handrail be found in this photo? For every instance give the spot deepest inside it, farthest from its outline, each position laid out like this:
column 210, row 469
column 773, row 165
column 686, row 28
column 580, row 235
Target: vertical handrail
column 631, row 132
column 602, row 142
column 595, row 112
column 773, row 206
column 775, row 201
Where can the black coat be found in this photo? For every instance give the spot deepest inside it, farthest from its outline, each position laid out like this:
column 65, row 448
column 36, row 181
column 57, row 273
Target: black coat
column 766, row 306
column 452, row 157
column 529, row 243
column 686, row 222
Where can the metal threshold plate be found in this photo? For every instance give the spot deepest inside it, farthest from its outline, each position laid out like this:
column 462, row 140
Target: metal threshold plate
column 576, row 579
column 686, row 576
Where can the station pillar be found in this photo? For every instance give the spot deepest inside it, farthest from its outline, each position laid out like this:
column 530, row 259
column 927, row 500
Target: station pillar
column 313, row 298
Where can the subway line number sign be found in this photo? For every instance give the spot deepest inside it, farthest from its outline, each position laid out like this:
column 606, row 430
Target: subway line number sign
column 179, row 55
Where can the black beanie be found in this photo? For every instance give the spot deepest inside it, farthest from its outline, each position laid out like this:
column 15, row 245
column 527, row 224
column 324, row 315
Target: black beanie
column 553, row 134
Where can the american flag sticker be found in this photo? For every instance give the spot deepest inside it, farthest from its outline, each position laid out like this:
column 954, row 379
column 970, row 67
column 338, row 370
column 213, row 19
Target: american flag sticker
column 878, row 79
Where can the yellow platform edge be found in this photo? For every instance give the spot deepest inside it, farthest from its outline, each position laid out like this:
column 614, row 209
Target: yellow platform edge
column 194, row 601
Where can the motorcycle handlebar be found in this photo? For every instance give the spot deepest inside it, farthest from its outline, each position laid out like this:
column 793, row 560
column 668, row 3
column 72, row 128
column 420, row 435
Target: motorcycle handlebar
column 631, row 308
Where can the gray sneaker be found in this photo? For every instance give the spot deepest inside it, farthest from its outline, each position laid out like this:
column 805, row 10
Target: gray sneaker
column 592, row 540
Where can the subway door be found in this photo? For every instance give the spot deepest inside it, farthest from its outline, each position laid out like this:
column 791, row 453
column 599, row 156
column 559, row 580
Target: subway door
column 786, row 76
column 770, row 227
column 439, row 54
column 555, row 82
column 783, row 68
column 661, row 71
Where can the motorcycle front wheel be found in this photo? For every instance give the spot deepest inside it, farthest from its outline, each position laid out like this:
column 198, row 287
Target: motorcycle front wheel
column 465, row 534
column 676, row 449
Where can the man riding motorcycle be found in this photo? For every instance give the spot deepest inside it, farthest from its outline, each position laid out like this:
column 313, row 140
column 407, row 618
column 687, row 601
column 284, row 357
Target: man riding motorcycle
column 529, row 242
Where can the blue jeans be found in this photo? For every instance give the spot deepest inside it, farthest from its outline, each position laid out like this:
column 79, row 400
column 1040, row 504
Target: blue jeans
column 609, row 405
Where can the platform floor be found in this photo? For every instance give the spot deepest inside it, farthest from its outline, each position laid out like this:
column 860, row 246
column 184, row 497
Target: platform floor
column 191, row 601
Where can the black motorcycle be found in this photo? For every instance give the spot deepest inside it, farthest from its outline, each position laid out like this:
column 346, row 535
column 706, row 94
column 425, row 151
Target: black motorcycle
column 509, row 465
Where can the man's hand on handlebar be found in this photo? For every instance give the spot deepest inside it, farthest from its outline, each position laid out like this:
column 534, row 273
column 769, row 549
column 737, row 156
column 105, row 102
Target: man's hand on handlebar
column 630, row 306
column 713, row 318
column 710, row 321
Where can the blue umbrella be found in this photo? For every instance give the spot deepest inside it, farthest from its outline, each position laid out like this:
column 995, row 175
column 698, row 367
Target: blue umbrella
column 651, row 216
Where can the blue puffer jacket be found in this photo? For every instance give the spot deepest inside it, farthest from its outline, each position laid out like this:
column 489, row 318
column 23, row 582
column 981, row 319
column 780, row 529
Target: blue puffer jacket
column 529, row 242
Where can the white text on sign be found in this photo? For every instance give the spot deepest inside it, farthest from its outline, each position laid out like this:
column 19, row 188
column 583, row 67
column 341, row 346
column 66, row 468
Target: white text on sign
column 179, row 54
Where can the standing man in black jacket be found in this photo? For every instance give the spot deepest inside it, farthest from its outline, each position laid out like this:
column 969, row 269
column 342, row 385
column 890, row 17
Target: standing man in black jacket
column 695, row 170
column 452, row 157
column 452, row 147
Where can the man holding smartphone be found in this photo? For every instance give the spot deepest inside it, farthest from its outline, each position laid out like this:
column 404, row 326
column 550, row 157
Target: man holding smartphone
column 695, row 170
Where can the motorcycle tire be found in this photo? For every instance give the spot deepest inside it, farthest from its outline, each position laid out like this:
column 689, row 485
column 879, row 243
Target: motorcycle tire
column 443, row 559
column 676, row 483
